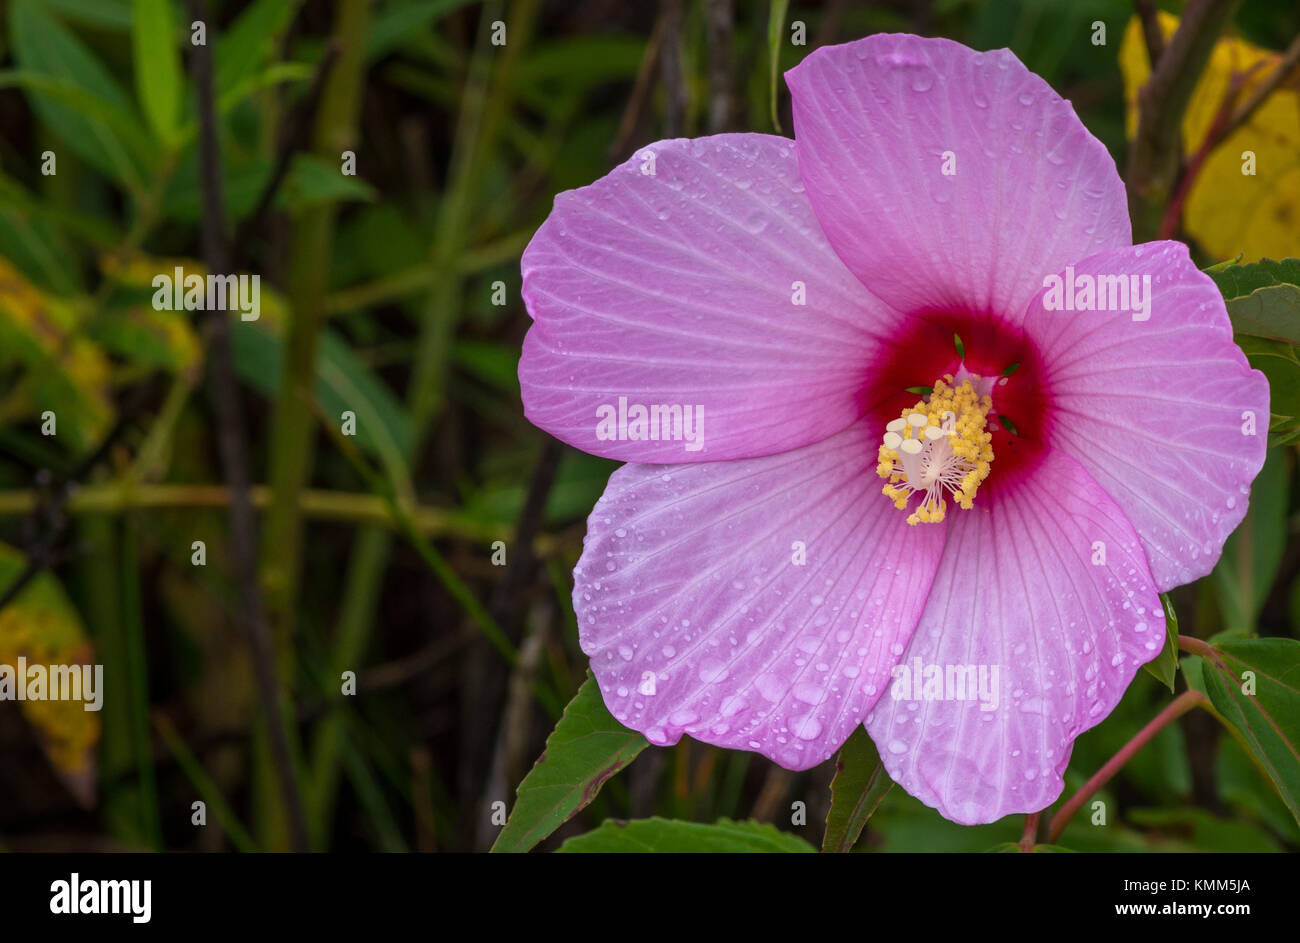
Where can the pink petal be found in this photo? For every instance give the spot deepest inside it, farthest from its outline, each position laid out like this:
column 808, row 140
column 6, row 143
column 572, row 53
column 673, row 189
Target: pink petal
column 1033, row 190
column 1017, row 588
column 676, row 289
column 687, row 587
column 1155, row 409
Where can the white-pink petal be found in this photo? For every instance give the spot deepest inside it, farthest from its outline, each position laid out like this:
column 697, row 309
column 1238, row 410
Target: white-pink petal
column 757, row 604
column 1047, row 583
column 1160, row 406
column 949, row 179
column 695, row 275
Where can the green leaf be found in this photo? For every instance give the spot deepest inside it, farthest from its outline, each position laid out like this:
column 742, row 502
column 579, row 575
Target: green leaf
column 1011, row 847
column 668, row 835
column 603, row 58
column 585, row 749
column 1206, row 832
column 250, row 41
column 63, row 372
column 1263, row 298
column 343, row 382
column 1226, row 263
column 1248, row 791
column 140, row 335
column 111, row 14
column 1164, row 666
column 1251, row 556
column 775, row 31
column 397, row 22
column 580, row 480
column 1268, row 719
column 312, row 181
column 859, row 785
column 157, row 63
column 496, row 364
column 309, row 181
column 37, row 249
column 78, row 84
column 1278, row 361
column 125, row 135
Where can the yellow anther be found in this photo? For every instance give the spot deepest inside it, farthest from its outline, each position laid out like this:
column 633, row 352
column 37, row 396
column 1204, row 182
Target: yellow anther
column 942, row 444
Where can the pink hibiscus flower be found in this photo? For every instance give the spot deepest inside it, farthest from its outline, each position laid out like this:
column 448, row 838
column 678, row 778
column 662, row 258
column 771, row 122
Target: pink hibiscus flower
column 742, row 317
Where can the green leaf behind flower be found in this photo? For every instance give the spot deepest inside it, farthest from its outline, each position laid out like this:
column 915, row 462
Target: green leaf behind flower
column 859, row 785
column 1268, row 719
column 668, row 835
column 585, row 749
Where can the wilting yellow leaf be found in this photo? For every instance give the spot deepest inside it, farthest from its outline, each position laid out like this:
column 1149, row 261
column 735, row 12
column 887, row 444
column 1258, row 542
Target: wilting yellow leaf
column 42, row 626
column 140, row 270
column 64, row 372
column 1229, row 212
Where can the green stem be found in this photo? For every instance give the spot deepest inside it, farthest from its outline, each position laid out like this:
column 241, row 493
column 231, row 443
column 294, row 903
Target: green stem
column 204, row 785
column 293, row 424
column 477, row 126
column 120, row 803
column 346, row 506
column 138, row 685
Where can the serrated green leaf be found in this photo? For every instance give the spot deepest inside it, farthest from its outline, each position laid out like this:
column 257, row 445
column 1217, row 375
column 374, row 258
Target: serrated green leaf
column 585, row 749
column 859, row 785
column 1269, row 719
column 1278, row 361
column 670, row 836
column 1263, row 298
column 156, row 59
column 1165, row 665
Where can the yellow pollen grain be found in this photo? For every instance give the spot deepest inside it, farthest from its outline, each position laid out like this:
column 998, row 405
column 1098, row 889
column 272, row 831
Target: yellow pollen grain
column 952, row 450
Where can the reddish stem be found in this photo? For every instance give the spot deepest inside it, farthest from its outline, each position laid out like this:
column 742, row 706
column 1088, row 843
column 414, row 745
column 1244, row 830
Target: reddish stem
column 1030, row 836
column 1194, row 646
column 1177, row 708
column 1213, row 137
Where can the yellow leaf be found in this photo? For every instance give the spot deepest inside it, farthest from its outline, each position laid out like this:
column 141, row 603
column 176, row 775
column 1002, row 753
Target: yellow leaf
column 42, row 626
column 140, row 270
column 64, row 372
column 1229, row 212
